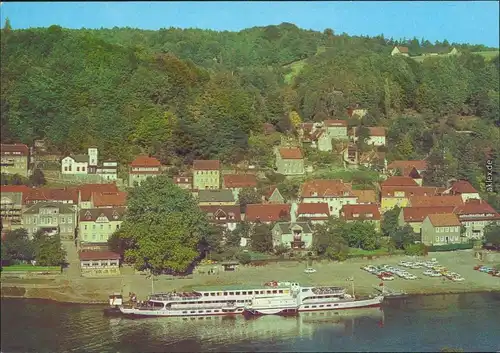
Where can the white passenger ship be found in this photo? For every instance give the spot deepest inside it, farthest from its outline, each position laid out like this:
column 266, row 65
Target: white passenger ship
column 310, row 299
column 283, row 298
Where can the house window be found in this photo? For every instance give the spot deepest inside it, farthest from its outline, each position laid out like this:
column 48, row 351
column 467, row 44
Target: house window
column 65, row 169
column 117, row 226
column 447, row 229
column 83, row 169
column 85, row 227
column 70, row 220
column 93, row 236
column 437, row 239
column 109, row 226
column 77, row 169
column 102, row 226
column 93, row 226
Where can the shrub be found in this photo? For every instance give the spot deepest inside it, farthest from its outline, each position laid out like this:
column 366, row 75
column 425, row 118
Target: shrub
column 244, row 258
column 415, row 249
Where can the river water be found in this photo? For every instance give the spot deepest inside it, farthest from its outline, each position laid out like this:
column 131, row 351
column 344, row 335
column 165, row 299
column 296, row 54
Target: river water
column 470, row 322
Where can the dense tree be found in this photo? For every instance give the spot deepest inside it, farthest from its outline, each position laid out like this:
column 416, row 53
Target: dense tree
column 248, row 196
column 165, row 225
column 37, row 178
column 403, row 236
column 48, row 249
column 17, row 245
column 492, row 234
column 389, row 222
column 261, row 239
column 327, row 241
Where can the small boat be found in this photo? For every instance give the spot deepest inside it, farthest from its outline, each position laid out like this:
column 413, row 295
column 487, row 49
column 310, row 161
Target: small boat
column 115, row 302
column 273, row 306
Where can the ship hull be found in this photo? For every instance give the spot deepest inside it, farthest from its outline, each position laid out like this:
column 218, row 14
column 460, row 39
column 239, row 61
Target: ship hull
column 342, row 305
column 134, row 312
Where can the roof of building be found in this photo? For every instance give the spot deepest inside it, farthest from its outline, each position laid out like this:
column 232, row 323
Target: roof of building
column 418, row 214
column 389, row 191
column 216, row 212
column 313, row 208
column 290, row 153
column 13, row 149
column 365, row 196
column 399, row 181
column 269, row 191
column 462, row 187
column 406, row 166
column 339, row 123
column 79, row 158
column 145, row 161
column 109, row 199
column 372, row 156
column 286, row 227
column 377, row 131
column 326, row 188
column 63, row 208
column 402, row 49
column 445, row 200
column 86, row 190
column 200, row 164
column 444, row 219
column 51, row 194
column 223, row 195
column 92, row 214
column 240, row 180
column 476, row 207
column 14, row 188
column 98, row 255
column 267, row 212
column 364, row 212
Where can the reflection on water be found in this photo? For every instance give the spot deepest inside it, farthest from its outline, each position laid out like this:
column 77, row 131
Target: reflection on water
column 469, row 322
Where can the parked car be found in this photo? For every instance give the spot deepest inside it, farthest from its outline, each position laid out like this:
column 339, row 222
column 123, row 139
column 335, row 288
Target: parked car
column 410, row 276
column 405, row 263
column 309, row 270
column 386, row 277
column 432, row 273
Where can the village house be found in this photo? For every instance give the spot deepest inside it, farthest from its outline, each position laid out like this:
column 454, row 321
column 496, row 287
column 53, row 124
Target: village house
column 97, row 225
column 365, row 196
column 221, row 197
column 142, row 168
column 335, row 193
column 405, row 167
column 376, row 136
column 273, row 195
column 99, row 263
column 289, row 161
column 294, row 235
column 236, row 182
column 51, row 217
column 414, row 216
column 373, row 160
column 441, row 229
column 108, row 170
column 356, row 112
column 226, row 216
column 392, row 196
column 439, row 200
column 11, row 205
column 14, row 159
column 267, row 213
column 475, row 215
column 78, row 164
column 109, row 199
column 184, row 182
column 206, row 174
column 316, row 213
column 464, row 189
column 367, row 213
column 399, row 50
column 85, row 193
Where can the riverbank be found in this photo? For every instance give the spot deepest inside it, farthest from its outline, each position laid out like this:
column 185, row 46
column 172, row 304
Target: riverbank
column 97, row 290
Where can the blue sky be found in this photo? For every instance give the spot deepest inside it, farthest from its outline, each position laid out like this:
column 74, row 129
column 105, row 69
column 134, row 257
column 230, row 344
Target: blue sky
column 475, row 22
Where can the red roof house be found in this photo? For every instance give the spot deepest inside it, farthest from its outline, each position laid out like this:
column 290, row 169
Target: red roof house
column 206, row 164
column 368, row 212
column 266, row 213
column 232, row 181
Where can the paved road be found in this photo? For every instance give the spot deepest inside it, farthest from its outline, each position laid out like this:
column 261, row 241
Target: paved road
column 73, row 270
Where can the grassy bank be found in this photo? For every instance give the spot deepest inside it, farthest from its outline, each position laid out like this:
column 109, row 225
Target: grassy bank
column 30, row 268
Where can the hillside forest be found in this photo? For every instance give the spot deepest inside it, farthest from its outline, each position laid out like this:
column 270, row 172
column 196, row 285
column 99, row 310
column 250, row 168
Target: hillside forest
column 192, row 94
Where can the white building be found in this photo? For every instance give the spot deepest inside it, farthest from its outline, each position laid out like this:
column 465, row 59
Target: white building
column 108, row 170
column 75, row 164
column 376, row 136
column 335, row 193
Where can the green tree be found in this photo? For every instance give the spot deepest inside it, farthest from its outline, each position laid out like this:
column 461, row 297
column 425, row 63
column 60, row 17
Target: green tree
column 248, row 196
column 17, row 245
column 403, row 236
column 37, row 178
column 262, row 240
column 492, row 234
column 48, row 250
column 389, row 223
column 165, row 225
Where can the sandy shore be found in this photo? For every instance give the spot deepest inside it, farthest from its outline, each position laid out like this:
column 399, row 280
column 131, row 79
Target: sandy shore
column 96, row 290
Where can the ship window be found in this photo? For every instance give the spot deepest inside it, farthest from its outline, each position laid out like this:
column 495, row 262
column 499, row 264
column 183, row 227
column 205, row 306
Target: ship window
column 313, row 306
column 216, row 311
column 268, row 292
column 225, row 293
column 209, row 311
column 280, row 291
column 321, row 306
column 244, row 293
column 335, row 305
column 184, row 312
column 205, row 294
column 200, row 311
column 307, row 306
column 212, row 294
column 192, row 311
column 328, row 305
column 275, row 291
column 231, row 293
column 304, row 290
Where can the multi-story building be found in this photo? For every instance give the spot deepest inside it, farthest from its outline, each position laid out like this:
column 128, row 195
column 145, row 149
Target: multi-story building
column 441, row 229
column 14, row 159
column 108, row 170
column 98, row 224
column 11, row 205
column 392, row 196
column 206, row 174
column 184, row 182
column 226, row 216
column 289, row 161
column 109, row 199
column 475, row 215
column 85, row 193
column 142, row 168
column 414, row 216
column 51, row 217
column 77, row 164
column 316, row 213
column 366, row 213
column 464, row 189
column 294, row 235
column 222, row 197
column 267, row 213
column 335, row 193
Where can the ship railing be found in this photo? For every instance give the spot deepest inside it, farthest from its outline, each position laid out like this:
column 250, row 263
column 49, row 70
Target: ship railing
column 328, row 290
column 174, row 296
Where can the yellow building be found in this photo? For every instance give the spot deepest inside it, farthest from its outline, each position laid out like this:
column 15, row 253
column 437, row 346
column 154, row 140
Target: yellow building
column 14, row 159
column 206, row 175
column 98, row 224
column 392, row 196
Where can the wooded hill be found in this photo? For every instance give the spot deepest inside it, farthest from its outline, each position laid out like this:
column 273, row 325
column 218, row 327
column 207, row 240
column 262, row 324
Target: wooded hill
column 185, row 94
